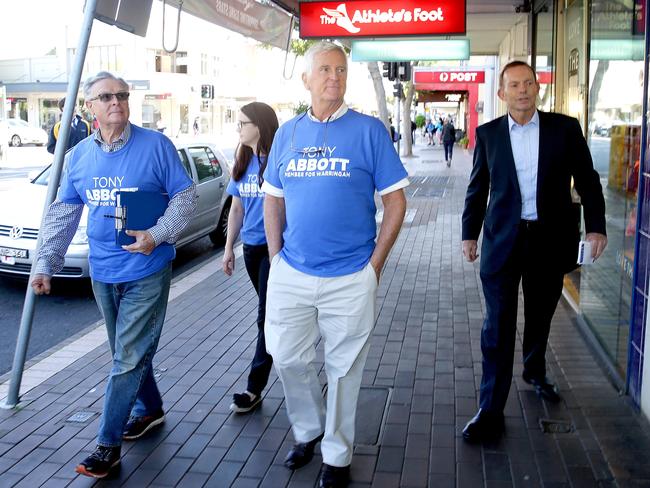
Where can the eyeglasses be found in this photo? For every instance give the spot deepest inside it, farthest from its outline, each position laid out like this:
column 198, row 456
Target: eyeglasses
column 107, row 97
column 241, row 123
column 309, row 150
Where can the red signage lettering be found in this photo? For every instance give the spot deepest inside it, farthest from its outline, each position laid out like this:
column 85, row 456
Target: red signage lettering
column 381, row 18
column 450, row 77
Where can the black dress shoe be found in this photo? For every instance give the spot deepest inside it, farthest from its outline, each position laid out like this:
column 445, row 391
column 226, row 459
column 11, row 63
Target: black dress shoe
column 543, row 387
column 485, row 426
column 301, row 453
column 334, row 476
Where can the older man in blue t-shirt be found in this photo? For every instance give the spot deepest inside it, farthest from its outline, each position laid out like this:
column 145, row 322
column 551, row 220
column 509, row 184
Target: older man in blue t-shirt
column 131, row 282
column 319, row 212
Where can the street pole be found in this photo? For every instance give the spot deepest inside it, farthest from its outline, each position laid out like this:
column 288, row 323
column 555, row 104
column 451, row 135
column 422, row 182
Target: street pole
column 398, row 99
column 52, row 188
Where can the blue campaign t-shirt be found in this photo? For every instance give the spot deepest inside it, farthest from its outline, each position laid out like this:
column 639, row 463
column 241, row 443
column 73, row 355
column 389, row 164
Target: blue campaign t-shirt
column 329, row 194
column 147, row 162
column 248, row 188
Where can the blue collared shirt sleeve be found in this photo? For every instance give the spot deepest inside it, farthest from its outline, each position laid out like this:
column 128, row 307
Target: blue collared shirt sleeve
column 182, row 194
column 177, row 216
column 59, row 227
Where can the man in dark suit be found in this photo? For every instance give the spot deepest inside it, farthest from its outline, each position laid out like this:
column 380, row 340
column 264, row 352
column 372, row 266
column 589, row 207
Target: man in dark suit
column 524, row 162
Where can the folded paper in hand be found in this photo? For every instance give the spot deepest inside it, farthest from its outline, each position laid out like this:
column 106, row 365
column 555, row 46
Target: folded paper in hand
column 584, row 253
column 137, row 210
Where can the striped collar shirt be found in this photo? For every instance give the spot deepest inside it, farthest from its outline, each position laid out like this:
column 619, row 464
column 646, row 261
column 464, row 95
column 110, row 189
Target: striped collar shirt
column 524, row 140
column 340, row 112
column 116, row 145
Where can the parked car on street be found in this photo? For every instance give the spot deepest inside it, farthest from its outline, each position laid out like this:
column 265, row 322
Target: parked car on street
column 21, row 207
column 20, row 132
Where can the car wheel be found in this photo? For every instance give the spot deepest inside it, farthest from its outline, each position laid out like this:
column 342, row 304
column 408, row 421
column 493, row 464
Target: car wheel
column 15, row 140
column 218, row 235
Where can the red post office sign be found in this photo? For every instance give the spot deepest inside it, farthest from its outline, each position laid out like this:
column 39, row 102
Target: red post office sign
column 382, row 18
column 449, row 77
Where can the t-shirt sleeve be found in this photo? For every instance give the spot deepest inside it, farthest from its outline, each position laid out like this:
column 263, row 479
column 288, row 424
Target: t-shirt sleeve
column 174, row 177
column 233, row 188
column 272, row 171
column 67, row 191
column 389, row 172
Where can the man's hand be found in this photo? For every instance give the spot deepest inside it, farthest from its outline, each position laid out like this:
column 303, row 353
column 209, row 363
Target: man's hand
column 598, row 243
column 41, row 284
column 143, row 242
column 228, row 261
column 470, row 250
column 377, row 267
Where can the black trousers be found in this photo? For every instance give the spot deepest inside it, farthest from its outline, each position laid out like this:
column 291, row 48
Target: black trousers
column 256, row 259
column 449, row 149
column 542, row 286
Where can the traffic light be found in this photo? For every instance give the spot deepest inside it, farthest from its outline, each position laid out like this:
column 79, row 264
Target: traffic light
column 397, row 90
column 207, row 91
column 389, row 70
column 404, row 71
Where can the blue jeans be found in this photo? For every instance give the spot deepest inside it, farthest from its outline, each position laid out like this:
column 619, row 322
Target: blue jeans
column 134, row 313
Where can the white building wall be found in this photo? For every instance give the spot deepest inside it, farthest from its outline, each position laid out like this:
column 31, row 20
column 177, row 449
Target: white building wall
column 239, row 69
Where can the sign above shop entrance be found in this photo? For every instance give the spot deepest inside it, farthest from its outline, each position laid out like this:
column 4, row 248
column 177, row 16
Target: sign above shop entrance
column 383, row 18
column 449, row 77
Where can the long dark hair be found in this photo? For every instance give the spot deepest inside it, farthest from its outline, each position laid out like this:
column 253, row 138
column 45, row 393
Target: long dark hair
column 264, row 118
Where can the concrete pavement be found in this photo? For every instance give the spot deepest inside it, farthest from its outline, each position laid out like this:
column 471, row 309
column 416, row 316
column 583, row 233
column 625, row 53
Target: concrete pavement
column 420, row 386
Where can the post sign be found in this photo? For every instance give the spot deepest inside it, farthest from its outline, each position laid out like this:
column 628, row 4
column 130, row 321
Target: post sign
column 381, row 18
column 449, row 77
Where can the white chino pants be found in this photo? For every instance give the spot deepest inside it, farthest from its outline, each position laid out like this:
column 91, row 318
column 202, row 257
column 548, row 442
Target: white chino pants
column 298, row 306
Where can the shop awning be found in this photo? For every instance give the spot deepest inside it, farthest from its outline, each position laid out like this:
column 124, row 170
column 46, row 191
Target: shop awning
column 268, row 23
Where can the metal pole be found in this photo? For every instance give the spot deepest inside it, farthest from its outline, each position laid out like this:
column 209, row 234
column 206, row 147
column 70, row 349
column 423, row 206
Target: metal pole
column 398, row 86
column 52, row 188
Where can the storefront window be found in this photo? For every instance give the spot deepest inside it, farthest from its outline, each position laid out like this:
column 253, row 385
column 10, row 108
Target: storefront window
column 614, row 131
column 544, row 61
column 50, row 113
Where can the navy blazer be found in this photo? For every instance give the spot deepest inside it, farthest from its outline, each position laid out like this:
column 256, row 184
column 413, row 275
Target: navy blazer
column 563, row 154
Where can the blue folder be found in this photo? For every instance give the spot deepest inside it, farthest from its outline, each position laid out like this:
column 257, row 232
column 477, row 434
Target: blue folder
column 137, row 210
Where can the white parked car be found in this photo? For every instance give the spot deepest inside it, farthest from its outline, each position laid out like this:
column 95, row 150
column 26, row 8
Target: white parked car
column 21, row 207
column 20, row 132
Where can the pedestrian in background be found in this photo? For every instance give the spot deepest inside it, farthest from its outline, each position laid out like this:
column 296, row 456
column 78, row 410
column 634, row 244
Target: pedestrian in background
column 319, row 212
column 79, row 130
column 448, row 139
column 130, row 283
column 439, row 125
column 257, row 124
column 431, row 130
column 523, row 165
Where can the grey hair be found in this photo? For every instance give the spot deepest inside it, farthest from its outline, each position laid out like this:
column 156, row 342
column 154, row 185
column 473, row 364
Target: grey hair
column 102, row 75
column 321, row 47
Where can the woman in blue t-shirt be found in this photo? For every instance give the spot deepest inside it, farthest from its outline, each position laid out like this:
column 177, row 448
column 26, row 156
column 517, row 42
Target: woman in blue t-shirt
column 257, row 125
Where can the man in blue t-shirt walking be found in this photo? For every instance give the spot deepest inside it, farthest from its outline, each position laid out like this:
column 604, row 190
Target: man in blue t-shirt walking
column 130, row 282
column 319, row 213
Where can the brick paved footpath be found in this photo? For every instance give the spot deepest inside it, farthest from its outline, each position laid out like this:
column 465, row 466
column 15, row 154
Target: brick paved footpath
column 425, row 356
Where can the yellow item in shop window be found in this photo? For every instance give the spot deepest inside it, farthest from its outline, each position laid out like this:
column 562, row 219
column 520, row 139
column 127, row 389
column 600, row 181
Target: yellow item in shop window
column 623, row 153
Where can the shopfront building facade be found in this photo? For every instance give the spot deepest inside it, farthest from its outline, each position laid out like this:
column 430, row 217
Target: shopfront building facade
column 594, row 52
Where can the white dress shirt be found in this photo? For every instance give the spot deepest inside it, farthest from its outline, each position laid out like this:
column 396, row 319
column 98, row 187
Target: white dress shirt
column 524, row 140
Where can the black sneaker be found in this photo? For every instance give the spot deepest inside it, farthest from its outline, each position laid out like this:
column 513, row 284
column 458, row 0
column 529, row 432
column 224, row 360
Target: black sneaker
column 245, row 402
column 136, row 427
column 100, row 462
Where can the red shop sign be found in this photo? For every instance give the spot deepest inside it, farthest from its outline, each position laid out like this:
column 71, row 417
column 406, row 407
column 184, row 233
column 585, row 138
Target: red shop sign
column 450, row 76
column 382, row 18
